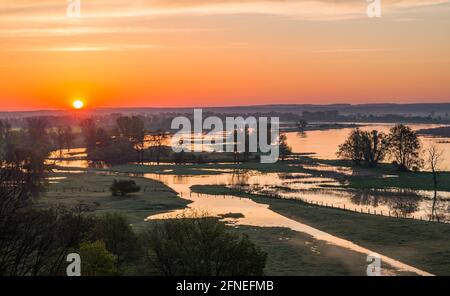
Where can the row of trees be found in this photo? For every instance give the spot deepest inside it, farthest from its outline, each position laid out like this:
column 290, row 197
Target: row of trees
column 24, row 152
column 63, row 137
column 402, row 145
column 128, row 140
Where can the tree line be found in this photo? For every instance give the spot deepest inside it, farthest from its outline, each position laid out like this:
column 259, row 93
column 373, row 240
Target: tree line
column 127, row 141
column 401, row 144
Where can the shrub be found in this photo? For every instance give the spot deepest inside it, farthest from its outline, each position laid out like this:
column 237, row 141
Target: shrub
column 201, row 246
column 96, row 260
column 119, row 238
column 124, row 187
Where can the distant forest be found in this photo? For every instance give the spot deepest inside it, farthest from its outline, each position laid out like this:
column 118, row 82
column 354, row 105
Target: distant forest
column 162, row 120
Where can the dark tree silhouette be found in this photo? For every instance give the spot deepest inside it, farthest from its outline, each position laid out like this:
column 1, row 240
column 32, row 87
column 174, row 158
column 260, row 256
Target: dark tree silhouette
column 405, row 148
column 201, row 246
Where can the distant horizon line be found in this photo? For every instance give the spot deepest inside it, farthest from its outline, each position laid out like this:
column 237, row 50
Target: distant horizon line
column 227, row 107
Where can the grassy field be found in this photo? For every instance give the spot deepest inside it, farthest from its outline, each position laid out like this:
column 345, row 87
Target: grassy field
column 211, row 169
column 92, row 191
column 290, row 252
column 294, row 253
column 421, row 244
column 409, row 180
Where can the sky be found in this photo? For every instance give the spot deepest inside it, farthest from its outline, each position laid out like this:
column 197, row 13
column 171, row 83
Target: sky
column 183, row 53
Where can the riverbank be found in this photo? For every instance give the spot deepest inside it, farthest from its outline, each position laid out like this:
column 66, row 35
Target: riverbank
column 436, row 132
column 420, row 244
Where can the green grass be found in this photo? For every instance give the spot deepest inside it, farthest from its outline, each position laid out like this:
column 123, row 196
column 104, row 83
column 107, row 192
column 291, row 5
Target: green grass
column 95, row 195
column 409, row 180
column 421, row 244
column 294, row 253
column 214, row 169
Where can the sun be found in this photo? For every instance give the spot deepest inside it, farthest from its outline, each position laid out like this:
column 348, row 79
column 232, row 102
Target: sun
column 78, row 104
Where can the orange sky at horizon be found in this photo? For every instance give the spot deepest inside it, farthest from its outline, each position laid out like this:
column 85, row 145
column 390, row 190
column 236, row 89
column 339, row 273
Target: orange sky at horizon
column 169, row 53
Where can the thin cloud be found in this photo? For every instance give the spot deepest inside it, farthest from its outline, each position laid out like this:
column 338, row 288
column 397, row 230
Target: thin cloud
column 312, row 9
column 22, row 19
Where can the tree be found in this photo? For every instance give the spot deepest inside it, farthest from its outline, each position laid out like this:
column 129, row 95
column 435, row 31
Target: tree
column 375, row 147
column 89, row 131
column 434, row 159
column 353, row 147
column 124, row 187
column 96, row 260
column 5, row 129
column 58, row 139
column 133, row 129
column 157, row 140
column 68, row 137
column 371, row 147
column 115, row 231
column 33, row 241
column 200, row 246
column 285, row 149
column 301, row 124
column 405, row 148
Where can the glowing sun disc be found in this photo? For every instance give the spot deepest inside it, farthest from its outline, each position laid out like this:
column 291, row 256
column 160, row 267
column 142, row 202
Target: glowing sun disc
column 78, row 104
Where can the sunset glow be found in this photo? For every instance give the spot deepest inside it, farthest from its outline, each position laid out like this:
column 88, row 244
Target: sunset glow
column 199, row 53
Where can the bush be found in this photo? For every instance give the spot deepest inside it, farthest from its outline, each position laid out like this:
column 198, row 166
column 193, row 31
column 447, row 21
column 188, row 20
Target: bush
column 200, row 246
column 96, row 260
column 119, row 238
column 124, row 187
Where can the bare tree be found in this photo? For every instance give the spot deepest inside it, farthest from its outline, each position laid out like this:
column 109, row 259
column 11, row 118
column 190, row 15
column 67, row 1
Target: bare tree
column 68, row 137
column 434, row 160
column 157, row 141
